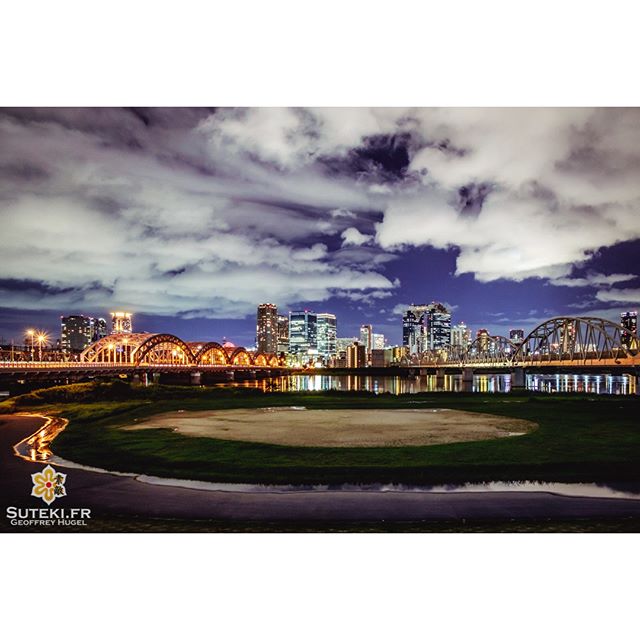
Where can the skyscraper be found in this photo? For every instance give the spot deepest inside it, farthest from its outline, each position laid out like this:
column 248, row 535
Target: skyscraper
column 356, row 356
column 267, row 328
column 413, row 328
column 460, row 335
column 378, row 341
column 98, row 329
column 121, row 322
column 366, row 338
column 437, row 327
column 426, row 327
column 283, row 334
column 629, row 320
column 76, row 333
column 326, row 332
column 303, row 335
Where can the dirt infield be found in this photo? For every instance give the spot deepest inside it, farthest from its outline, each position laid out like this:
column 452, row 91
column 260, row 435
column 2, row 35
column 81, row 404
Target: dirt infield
column 296, row 426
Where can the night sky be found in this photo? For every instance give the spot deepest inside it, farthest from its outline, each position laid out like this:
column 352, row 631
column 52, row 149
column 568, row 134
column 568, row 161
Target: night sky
column 189, row 218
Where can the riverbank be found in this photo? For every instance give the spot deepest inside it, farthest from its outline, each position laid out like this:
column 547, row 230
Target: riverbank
column 579, row 439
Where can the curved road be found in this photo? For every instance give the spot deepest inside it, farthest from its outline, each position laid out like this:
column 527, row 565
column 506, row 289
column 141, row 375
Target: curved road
column 109, row 495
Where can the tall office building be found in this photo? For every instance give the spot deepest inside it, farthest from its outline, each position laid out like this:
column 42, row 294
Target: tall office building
column 366, row 337
column 121, row 322
column 267, row 328
column 76, row 333
column 326, row 333
column 629, row 320
column 378, row 341
column 343, row 343
column 437, row 327
column 283, row 334
column 516, row 336
column 98, row 329
column 303, row 336
column 426, row 327
column 413, row 328
column 356, row 356
column 460, row 335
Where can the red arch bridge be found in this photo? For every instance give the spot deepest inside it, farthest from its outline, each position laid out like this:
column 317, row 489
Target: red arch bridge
column 144, row 354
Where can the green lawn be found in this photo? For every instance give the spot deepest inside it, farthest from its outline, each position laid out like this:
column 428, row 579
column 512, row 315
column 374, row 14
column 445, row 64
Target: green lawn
column 580, row 437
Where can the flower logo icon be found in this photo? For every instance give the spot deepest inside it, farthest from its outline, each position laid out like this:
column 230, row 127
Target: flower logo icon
column 48, row 484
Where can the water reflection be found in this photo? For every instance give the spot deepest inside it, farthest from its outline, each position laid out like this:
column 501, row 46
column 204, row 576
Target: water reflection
column 485, row 383
column 37, row 447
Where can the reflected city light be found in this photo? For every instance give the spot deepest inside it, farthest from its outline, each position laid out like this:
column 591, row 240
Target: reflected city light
column 485, row 383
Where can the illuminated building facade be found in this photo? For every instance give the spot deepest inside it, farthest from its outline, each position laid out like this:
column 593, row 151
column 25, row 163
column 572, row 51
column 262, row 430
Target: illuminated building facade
column 327, row 336
column 98, row 329
column 366, row 338
column 516, row 336
column 267, row 328
column 76, row 333
column 121, row 322
column 283, row 334
column 303, row 336
column 629, row 320
column 437, row 327
column 356, row 356
column 426, row 327
column 460, row 335
column 413, row 328
column 378, row 341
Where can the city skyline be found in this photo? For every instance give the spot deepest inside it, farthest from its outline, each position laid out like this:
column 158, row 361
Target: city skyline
column 191, row 217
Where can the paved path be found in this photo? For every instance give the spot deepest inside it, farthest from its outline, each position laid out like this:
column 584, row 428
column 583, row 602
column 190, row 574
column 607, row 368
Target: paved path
column 108, row 494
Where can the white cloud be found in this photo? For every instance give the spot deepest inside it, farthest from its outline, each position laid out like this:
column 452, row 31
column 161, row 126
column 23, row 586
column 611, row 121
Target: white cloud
column 352, row 236
column 563, row 183
column 594, row 280
column 619, row 295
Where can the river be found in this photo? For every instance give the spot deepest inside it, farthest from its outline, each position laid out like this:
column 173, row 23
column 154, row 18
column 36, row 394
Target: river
column 486, row 383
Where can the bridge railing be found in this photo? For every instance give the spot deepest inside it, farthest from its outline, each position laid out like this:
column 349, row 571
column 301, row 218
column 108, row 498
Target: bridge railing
column 125, row 365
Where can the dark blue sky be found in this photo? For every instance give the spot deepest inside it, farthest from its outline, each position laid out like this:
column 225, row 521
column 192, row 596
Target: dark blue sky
column 189, row 218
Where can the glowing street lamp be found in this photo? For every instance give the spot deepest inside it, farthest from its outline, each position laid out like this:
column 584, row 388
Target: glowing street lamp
column 42, row 339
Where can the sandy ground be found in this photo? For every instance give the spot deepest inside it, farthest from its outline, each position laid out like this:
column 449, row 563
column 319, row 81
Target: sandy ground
column 339, row 427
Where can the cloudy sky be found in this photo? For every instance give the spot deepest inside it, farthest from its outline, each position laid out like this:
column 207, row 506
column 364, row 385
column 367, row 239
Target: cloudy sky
column 191, row 217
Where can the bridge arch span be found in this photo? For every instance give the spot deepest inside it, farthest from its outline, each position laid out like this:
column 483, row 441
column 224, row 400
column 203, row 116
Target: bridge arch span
column 240, row 356
column 577, row 340
column 162, row 348
column 212, row 353
column 116, row 348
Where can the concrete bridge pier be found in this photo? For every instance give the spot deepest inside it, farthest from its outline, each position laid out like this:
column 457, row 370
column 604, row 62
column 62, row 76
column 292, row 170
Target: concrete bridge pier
column 195, row 377
column 135, row 378
column 440, row 373
column 156, row 378
column 467, row 379
column 638, row 384
column 518, row 380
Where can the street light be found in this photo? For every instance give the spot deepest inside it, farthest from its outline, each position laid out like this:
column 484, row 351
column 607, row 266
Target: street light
column 42, row 338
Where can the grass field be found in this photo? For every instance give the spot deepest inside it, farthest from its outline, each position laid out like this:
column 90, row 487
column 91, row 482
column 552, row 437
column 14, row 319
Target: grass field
column 580, row 437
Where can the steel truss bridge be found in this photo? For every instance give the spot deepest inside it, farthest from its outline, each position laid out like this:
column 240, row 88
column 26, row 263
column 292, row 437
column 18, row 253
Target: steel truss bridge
column 565, row 342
